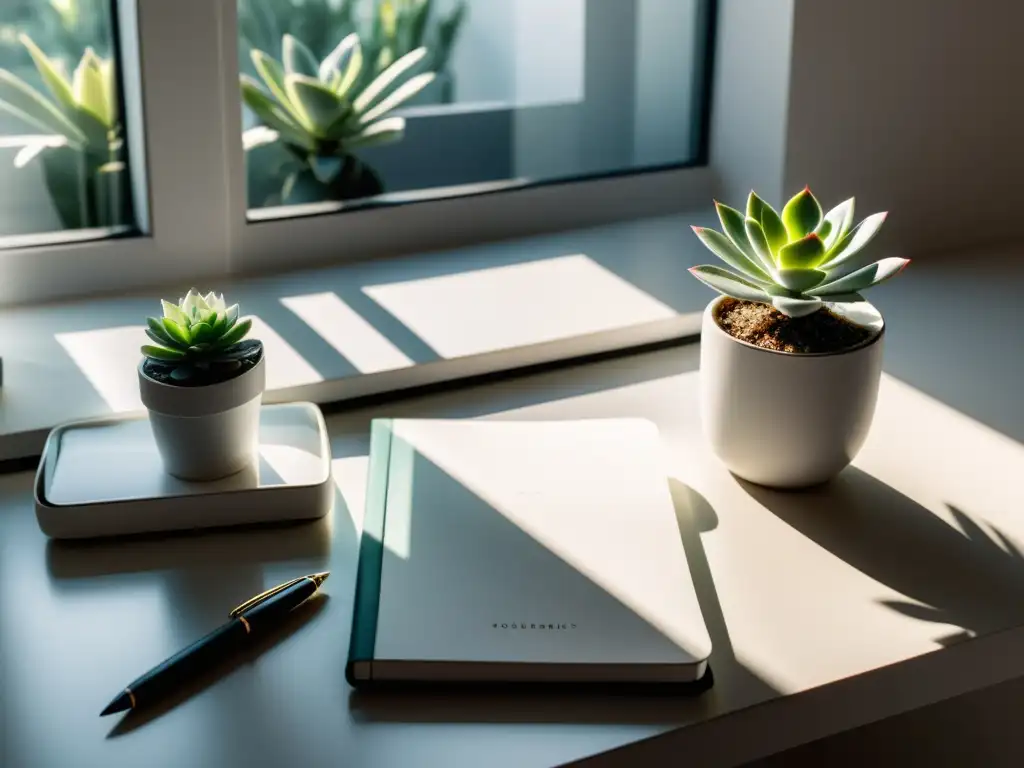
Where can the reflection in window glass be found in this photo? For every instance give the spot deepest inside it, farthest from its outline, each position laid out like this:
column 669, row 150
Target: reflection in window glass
column 405, row 99
column 62, row 156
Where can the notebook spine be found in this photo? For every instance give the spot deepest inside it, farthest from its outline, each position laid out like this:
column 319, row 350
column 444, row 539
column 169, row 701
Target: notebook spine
column 371, row 556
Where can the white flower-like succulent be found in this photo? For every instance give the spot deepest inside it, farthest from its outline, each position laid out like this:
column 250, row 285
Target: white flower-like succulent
column 197, row 332
column 796, row 262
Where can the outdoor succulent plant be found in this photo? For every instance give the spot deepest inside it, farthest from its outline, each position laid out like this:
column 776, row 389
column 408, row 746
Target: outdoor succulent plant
column 320, row 115
column 197, row 335
column 796, row 262
column 80, row 140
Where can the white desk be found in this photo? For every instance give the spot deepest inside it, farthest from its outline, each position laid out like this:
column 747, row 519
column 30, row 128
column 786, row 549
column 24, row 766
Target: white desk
column 881, row 593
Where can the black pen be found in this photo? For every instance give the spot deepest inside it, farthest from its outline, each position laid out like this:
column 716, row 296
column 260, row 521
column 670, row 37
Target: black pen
column 247, row 620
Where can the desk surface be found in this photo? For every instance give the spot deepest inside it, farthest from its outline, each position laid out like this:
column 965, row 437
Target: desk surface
column 882, row 592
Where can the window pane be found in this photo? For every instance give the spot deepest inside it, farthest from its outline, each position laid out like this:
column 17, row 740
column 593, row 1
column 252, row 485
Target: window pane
column 63, row 164
column 443, row 97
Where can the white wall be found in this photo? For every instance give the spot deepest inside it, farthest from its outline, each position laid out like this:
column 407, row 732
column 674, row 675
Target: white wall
column 916, row 107
column 750, row 98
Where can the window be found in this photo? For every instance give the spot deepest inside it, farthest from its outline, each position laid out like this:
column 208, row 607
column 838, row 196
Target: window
column 64, row 170
column 507, row 95
column 389, row 101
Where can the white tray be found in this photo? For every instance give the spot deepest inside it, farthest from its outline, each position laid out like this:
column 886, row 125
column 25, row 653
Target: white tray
column 104, row 478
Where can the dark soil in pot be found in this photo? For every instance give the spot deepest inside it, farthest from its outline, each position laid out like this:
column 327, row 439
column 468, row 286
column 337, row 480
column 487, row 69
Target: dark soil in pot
column 766, row 327
column 204, row 375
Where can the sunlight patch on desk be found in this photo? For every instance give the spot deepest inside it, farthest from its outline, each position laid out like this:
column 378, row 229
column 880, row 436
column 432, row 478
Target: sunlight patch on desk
column 956, row 459
column 109, row 358
column 350, row 477
column 345, row 330
column 285, row 366
column 517, row 305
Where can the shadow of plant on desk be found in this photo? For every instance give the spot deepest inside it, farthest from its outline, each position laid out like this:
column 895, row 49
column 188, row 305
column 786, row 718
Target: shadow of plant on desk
column 963, row 575
column 992, row 546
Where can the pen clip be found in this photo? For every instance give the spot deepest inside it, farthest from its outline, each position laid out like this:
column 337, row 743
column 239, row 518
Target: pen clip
column 252, row 602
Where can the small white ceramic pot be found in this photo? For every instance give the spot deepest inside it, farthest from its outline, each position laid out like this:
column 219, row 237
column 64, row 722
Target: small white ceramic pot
column 206, row 433
column 784, row 419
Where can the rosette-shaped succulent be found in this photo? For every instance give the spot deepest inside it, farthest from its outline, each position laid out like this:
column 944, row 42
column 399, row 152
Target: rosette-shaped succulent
column 797, row 261
column 199, row 335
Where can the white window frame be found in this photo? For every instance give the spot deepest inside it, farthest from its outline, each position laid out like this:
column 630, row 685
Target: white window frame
column 184, row 128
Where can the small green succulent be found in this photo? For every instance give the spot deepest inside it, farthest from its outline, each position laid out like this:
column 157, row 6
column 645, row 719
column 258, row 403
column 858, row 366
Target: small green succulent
column 796, row 262
column 319, row 113
column 197, row 335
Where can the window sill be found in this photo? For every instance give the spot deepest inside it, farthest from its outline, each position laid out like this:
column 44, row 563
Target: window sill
column 363, row 329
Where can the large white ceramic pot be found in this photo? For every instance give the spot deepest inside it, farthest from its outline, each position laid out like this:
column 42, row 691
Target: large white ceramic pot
column 785, row 419
column 206, row 432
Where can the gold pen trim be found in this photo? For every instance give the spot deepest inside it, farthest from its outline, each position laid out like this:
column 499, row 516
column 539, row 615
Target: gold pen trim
column 131, row 696
column 245, row 624
column 316, row 579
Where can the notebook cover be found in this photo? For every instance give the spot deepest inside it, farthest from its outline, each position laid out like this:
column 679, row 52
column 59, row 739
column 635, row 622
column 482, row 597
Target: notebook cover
column 519, row 552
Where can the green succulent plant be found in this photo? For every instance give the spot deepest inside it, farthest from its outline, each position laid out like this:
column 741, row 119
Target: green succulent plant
column 797, row 261
column 317, row 112
column 80, row 143
column 390, row 30
column 199, row 335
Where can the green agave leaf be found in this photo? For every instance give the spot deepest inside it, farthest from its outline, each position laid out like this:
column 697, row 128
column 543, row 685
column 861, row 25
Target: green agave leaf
column 774, row 230
column 297, row 58
column 801, row 215
column 157, row 328
column 159, row 340
column 796, row 307
column 805, row 253
column 201, row 333
column 418, row 22
column 841, row 219
column 399, row 96
column 109, row 75
column 173, row 312
column 235, row 334
column 316, row 104
column 51, row 74
column 866, row 277
column 25, row 102
column 162, row 353
column 273, row 116
column 755, row 205
column 272, row 73
column 96, row 133
column 177, row 332
column 854, row 240
column 337, row 61
column 382, row 132
column 758, row 242
column 384, row 80
column 799, row 280
column 733, row 226
column 722, row 247
column 89, row 88
column 232, row 315
column 729, row 283
column 824, row 230
column 219, row 324
column 351, row 72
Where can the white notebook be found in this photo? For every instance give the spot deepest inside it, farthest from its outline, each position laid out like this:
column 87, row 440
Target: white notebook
column 528, row 552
